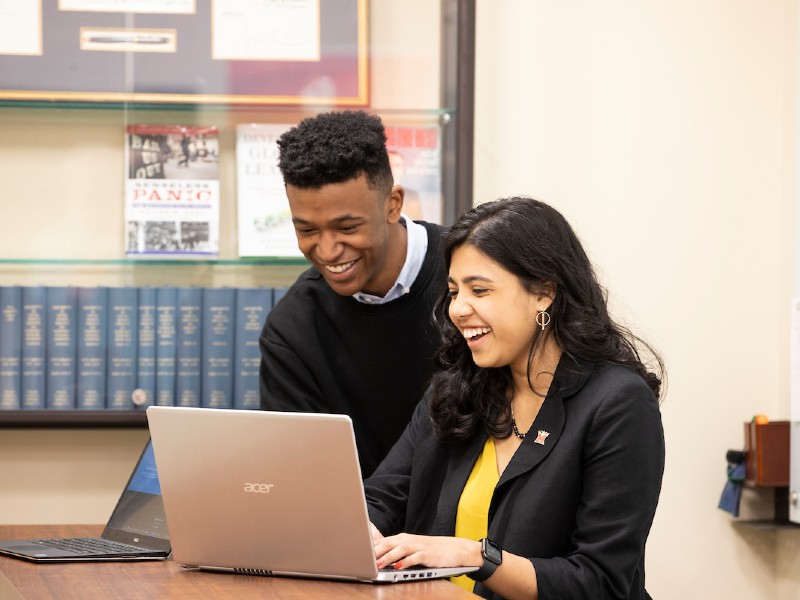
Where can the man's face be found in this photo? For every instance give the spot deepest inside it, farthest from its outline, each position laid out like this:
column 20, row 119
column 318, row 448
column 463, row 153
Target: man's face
column 343, row 230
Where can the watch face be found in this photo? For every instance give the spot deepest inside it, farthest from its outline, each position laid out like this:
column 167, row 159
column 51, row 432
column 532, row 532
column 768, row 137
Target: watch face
column 492, row 551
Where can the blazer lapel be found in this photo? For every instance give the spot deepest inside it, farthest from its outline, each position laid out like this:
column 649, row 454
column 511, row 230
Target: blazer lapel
column 546, row 430
column 462, row 460
column 570, row 376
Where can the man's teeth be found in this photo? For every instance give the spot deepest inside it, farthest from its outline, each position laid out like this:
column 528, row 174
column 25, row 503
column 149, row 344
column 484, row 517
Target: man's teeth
column 471, row 332
column 340, row 268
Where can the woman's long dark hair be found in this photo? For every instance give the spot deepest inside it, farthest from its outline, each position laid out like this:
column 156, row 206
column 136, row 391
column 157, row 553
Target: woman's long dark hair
column 533, row 241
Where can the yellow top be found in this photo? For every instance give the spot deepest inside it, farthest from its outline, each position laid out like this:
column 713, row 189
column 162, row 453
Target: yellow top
column 472, row 518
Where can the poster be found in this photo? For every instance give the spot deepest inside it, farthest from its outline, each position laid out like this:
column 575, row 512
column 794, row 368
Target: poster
column 415, row 155
column 172, row 191
column 265, row 223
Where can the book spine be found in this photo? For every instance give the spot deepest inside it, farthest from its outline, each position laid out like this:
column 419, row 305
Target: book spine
column 188, row 351
column 218, row 332
column 123, row 336
column 165, row 345
column 34, row 336
column 252, row 306
column 144, row 393
column 61, row 346
column 10, row 347
column 92, row 331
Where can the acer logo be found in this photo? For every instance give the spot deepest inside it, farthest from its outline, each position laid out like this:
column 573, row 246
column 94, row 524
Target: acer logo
column 258, row 488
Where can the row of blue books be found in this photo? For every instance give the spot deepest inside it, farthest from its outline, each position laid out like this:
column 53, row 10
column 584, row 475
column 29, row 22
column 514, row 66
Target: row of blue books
column 125, row 348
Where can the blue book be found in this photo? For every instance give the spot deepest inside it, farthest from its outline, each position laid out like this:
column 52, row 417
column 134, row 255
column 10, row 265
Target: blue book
column 62, row 338
column 145, row 391
column 252, row 306
column 34, row 338
column 189, row 346
column 10, row 347
column 166, row 341
column 92, row 339
column 123, row 341
column 218, row 331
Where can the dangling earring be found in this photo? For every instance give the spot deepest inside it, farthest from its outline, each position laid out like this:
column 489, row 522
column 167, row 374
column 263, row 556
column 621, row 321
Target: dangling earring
column 543, row 319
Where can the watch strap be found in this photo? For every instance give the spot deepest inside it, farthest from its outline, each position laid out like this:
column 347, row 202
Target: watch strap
column 490, row 563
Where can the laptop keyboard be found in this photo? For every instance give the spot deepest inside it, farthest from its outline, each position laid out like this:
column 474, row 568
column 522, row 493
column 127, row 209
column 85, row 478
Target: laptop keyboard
column 88, row 545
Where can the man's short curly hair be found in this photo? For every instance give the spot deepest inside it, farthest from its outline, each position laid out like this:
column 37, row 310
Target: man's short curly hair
column 335, row 147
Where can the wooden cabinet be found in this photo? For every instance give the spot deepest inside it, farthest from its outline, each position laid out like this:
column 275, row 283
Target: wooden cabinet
column 767, row 449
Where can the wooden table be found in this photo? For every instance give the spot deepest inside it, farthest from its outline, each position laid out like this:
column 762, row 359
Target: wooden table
column 162, row 580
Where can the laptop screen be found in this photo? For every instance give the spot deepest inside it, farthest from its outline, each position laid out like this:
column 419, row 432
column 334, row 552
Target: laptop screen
column 140, row 510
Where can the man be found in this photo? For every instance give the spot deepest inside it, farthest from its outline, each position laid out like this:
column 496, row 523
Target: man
column 354, row 334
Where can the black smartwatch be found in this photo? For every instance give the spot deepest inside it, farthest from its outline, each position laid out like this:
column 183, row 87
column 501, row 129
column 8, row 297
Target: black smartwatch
column 492, row 558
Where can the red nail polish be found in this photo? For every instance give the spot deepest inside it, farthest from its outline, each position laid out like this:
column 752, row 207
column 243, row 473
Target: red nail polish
column 398, row 565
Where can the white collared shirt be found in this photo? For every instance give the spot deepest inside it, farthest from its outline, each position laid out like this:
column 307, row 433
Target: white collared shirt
column 415, row 255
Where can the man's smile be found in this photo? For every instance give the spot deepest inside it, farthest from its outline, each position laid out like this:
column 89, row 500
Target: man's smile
column 341, row 268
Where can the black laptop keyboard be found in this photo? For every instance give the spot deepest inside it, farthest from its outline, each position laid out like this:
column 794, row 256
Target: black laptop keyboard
column 88, row 545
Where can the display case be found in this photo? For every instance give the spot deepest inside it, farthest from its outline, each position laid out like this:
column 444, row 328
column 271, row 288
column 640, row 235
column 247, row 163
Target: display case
column 67, row 104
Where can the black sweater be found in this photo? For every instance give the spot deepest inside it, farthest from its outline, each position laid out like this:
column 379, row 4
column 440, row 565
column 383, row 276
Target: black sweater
column 322, row 352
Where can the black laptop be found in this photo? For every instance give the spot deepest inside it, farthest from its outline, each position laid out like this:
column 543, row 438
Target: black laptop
column 137, row 529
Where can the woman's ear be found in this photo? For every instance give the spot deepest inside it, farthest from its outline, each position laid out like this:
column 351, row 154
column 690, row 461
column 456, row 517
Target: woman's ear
column 546, row 295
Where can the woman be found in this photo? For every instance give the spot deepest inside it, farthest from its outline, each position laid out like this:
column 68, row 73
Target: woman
column 540, row 436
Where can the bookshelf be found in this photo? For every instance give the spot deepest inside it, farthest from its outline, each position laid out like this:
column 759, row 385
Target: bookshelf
column 65, row 166
column 73, row 418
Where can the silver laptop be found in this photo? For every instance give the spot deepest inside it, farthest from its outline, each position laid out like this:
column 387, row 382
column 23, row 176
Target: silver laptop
column 137, row 529
column 267, row 493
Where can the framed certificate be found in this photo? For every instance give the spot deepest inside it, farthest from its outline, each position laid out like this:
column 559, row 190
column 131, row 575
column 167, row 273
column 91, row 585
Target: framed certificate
column 227, row 52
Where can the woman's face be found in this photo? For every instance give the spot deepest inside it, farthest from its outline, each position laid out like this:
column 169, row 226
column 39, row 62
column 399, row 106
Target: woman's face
column 491, row 309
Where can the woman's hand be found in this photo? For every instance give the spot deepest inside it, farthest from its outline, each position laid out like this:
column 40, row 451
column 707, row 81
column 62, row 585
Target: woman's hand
column 406, row 550
column 515, row 578
column 377, row 536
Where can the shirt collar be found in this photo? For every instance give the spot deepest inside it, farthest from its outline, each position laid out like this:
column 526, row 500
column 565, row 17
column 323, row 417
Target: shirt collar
column 415, row 255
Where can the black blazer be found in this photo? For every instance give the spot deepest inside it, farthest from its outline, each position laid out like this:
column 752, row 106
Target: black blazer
column 580, row 506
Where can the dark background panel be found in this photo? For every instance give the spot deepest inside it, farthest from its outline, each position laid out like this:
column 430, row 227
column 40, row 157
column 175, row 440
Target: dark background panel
column 64, row 67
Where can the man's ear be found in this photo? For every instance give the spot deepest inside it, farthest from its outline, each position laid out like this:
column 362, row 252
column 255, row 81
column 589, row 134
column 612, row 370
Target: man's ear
column 394, row 204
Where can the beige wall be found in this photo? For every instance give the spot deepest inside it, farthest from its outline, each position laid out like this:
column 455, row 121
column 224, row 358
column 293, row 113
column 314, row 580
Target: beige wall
column 64, row 475
column 664, row 131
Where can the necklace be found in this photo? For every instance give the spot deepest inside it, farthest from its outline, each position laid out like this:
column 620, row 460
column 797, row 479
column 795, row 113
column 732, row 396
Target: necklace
column 514, row 426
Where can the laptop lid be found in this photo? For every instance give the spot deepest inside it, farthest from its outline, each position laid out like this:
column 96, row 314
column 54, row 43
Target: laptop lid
column 138, row 521
column 265, row 492
column 138, row 518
